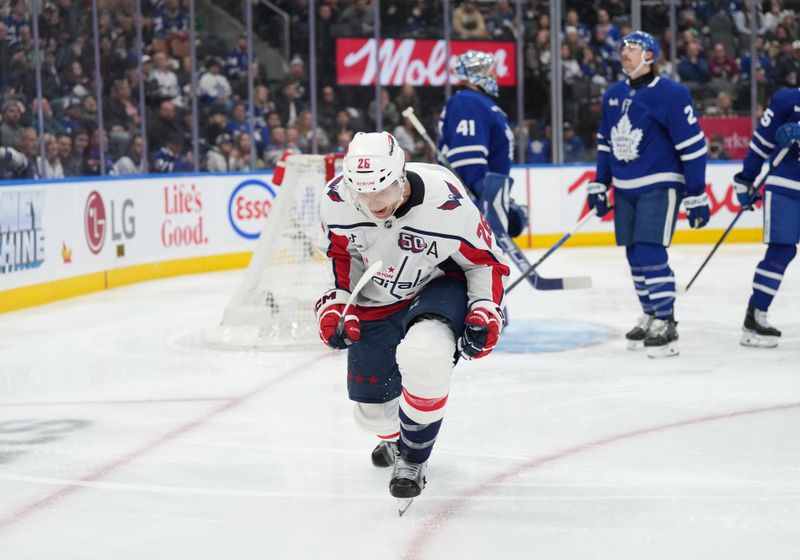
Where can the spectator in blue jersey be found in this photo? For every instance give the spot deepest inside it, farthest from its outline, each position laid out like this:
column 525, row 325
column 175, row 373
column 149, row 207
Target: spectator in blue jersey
column 775, row 139
column 17, row 18
column 693, row 69
column 169, row 158
column 236, row 64
column 169, row 25
column 476, row 141
column 574, row 146
column 538, row 144
column 651, row 150
column 238, row 120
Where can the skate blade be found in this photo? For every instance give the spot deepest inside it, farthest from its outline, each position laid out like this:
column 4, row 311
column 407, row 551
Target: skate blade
column 665, row 351
column 635, row 345
column 402, row 505
column 754, row 340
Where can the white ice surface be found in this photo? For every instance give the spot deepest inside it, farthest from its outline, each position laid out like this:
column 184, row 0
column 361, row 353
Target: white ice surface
column 122, row 438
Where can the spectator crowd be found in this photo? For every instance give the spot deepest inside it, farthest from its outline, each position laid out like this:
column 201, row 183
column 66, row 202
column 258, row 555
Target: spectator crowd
column 713, row 48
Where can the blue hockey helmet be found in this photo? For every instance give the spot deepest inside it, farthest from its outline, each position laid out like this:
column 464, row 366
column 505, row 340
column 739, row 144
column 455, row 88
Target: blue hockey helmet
column 477, row 68
column 644, row 40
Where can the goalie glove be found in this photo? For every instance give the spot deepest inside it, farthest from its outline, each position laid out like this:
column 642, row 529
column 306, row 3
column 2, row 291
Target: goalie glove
column 598, row 198
column 329, row 310
column 481, row 330
column 698, row 211
column 746, row 192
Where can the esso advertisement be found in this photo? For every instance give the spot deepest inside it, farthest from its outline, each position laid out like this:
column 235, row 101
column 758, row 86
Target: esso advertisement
column 248, row 207
column 183, row 223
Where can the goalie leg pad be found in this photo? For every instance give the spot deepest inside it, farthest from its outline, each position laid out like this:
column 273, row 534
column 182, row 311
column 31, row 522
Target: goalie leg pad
column 380, row 419
column 493, row 200
column 425, row 358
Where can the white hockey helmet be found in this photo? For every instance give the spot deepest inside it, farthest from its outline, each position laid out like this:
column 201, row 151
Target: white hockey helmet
column 374, row 161
column 374, row 174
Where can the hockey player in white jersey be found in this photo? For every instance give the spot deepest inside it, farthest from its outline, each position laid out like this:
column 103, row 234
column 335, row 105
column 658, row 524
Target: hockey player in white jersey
column 651, row 150
column 438, row 295
column 475, row 138
column 778, row 129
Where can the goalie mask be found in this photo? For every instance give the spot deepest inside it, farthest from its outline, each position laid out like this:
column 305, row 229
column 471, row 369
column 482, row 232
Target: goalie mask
column 477, row 68
column 374, row 174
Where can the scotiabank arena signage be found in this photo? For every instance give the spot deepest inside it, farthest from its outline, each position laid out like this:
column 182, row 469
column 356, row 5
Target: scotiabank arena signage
column 418, row 62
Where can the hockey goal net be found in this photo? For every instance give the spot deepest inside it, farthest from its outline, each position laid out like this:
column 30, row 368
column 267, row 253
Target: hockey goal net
column 273, row 307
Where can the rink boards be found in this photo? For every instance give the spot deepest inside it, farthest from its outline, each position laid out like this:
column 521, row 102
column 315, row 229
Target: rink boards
column 63, row 238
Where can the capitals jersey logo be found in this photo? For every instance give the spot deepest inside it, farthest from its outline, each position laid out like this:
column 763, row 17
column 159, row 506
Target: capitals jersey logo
column 453, row 201
column 625, row 140
column 333, row 193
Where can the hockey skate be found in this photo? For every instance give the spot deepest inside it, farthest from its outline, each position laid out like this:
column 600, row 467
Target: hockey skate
column 637, row 334
column 384, row 454
column 757, row 332
column 407, row 482
column 662, row 338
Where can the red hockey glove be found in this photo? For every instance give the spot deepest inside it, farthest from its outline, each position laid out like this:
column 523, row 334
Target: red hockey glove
column 329, row 310
column 481, row 330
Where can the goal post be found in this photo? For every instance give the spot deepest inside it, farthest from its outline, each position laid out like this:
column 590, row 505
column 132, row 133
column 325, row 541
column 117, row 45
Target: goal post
column 273, row 306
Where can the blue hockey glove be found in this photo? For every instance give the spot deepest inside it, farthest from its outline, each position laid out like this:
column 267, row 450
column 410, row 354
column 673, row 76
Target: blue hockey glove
column 697, row 210
column 787, row 133
column 598, row 198
column 746, row 191
column 517, row 218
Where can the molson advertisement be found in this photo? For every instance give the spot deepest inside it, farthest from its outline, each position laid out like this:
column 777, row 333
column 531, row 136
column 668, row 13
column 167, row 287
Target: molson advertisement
column 418, row 62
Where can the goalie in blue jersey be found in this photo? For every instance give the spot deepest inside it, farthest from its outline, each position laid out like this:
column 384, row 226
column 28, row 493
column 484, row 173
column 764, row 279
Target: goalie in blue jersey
column 651, row 150
column 778, row 128
column 478, row 144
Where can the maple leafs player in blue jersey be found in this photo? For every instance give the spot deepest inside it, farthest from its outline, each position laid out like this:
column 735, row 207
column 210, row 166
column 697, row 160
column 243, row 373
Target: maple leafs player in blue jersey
column 475, row 138
column 778, row 126
column 651, row 150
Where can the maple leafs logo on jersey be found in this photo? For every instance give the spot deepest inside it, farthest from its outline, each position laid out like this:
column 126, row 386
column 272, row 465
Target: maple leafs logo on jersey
column 453, row 201
column 625, row 140
column 333, row 193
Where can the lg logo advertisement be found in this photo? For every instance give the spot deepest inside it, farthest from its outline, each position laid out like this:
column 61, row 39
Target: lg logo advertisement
column 249, row 206
column 22, row 236
column 183, row 210
column 120, row 220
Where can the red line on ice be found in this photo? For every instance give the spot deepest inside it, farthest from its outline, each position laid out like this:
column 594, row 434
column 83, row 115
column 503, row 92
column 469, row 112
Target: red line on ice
column 38, row 505
column 432, row 527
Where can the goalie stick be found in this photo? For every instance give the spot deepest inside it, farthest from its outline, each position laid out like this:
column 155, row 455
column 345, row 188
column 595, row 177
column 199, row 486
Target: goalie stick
column 505, row 241
column 775, row 163
column 574, row 282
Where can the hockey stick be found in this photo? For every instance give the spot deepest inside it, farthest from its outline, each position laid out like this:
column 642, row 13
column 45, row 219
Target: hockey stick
column 366, row 277
column 408, row 113
column 575, row 282
column 775, row 163
column 505, row 241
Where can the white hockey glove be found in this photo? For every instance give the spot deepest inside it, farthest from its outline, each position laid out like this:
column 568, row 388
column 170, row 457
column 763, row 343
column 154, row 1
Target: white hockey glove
column 329, row 310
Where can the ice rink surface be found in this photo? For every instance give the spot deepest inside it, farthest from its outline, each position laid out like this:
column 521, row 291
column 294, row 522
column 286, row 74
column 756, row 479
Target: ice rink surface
column 122, row 438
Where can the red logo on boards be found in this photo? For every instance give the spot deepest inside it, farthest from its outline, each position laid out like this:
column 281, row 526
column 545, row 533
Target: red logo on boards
column 95, row 222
